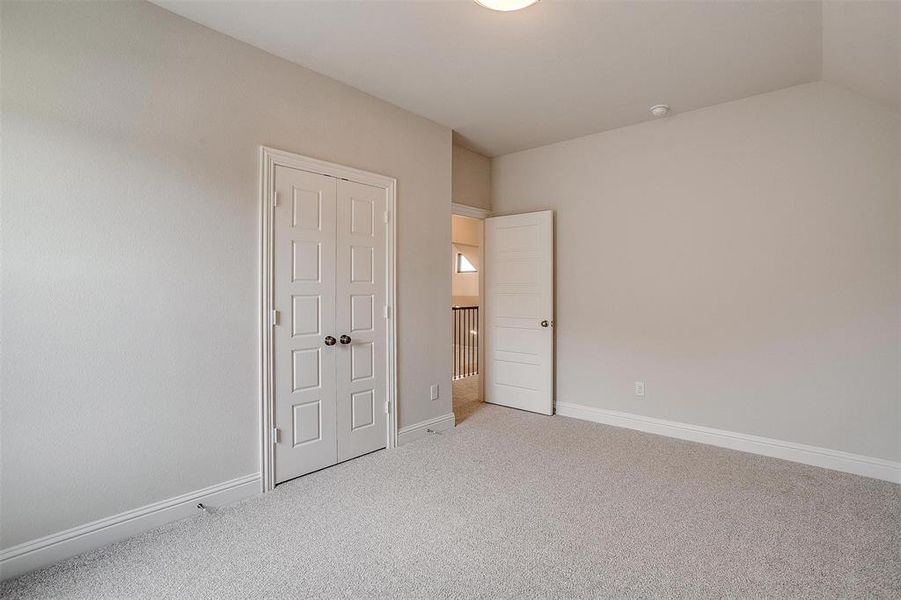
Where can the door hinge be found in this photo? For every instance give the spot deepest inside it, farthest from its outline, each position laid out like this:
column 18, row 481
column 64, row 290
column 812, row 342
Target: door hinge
column 274, row 318
column 275, row 435
column 387, row 216
column 275, row 199
column 387, row 312
column 387, row 407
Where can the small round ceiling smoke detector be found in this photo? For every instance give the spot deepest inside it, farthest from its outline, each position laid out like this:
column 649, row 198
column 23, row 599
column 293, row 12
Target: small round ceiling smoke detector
column 660, row 110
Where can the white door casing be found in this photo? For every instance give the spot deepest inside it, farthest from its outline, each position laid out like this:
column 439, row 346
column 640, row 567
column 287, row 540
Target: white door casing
column 519, row 302
column 327, row 240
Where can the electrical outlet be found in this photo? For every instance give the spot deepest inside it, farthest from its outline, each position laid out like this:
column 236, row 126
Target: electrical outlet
column 639, row 388
column 433, row 392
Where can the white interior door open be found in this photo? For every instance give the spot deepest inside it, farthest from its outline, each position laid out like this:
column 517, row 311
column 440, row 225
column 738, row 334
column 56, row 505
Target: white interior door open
column 519, row 302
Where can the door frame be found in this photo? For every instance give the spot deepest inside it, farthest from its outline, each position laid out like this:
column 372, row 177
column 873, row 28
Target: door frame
column 480, row 214
column 270, row 158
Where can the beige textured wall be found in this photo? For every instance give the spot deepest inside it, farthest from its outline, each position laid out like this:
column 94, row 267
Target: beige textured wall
column 742, row 260
column 471, row 178
column 466, row 231
column 862, row 48
column 466, row 235
column 130, row 251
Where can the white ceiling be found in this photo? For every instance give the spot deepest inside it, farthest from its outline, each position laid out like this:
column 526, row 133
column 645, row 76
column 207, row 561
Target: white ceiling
column 557, row 70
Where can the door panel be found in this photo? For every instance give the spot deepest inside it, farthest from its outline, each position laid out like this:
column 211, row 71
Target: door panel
column 303, row 295
column 519, row 296
column 330, row 280
column 362, row 363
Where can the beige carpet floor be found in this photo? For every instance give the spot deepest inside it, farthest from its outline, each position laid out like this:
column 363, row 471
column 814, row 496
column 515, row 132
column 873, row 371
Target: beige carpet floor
column 466, row 397
column 515, row 505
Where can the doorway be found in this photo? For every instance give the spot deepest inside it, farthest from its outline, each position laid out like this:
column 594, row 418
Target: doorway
column 466, row 312
column 502, row 307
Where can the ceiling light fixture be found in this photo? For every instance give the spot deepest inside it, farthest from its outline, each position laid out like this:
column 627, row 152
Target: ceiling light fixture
column 506, row 5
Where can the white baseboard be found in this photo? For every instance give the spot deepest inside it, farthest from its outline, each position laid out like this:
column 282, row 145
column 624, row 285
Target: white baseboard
column 53, row 548
column 421, row 429
column 836, row 460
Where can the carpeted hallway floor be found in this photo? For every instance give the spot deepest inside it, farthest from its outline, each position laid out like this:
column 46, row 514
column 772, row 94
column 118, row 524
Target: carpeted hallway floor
column 466, row 397
column 516, row 505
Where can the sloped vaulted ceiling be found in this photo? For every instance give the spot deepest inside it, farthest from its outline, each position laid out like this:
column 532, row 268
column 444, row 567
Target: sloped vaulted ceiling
column 557, row 70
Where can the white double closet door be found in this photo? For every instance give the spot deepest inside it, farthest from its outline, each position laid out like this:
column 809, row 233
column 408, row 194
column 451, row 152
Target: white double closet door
column 330, row 336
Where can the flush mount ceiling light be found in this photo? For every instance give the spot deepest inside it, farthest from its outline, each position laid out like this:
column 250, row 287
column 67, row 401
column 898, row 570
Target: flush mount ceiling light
column 506, row 5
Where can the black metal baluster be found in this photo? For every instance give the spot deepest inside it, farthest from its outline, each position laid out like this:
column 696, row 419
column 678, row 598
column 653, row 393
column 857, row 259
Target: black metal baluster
column 466, row 332
column 474, row 340
column 466, row 338
column 466, row 341
column 456, row 349
column 478, row 340
column 459, row 348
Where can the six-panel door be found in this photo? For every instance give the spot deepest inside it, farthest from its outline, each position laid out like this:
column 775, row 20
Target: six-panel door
column 330, row 342
column 362, row 360
column 304, row 298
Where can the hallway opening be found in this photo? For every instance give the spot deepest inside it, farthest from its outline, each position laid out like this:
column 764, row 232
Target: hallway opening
column 466, row 355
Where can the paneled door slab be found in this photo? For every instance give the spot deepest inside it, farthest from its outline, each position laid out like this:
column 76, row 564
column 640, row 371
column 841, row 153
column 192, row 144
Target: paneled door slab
column 330, row 343
column 519, row 302
column 362, row 361
column 304, row 300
